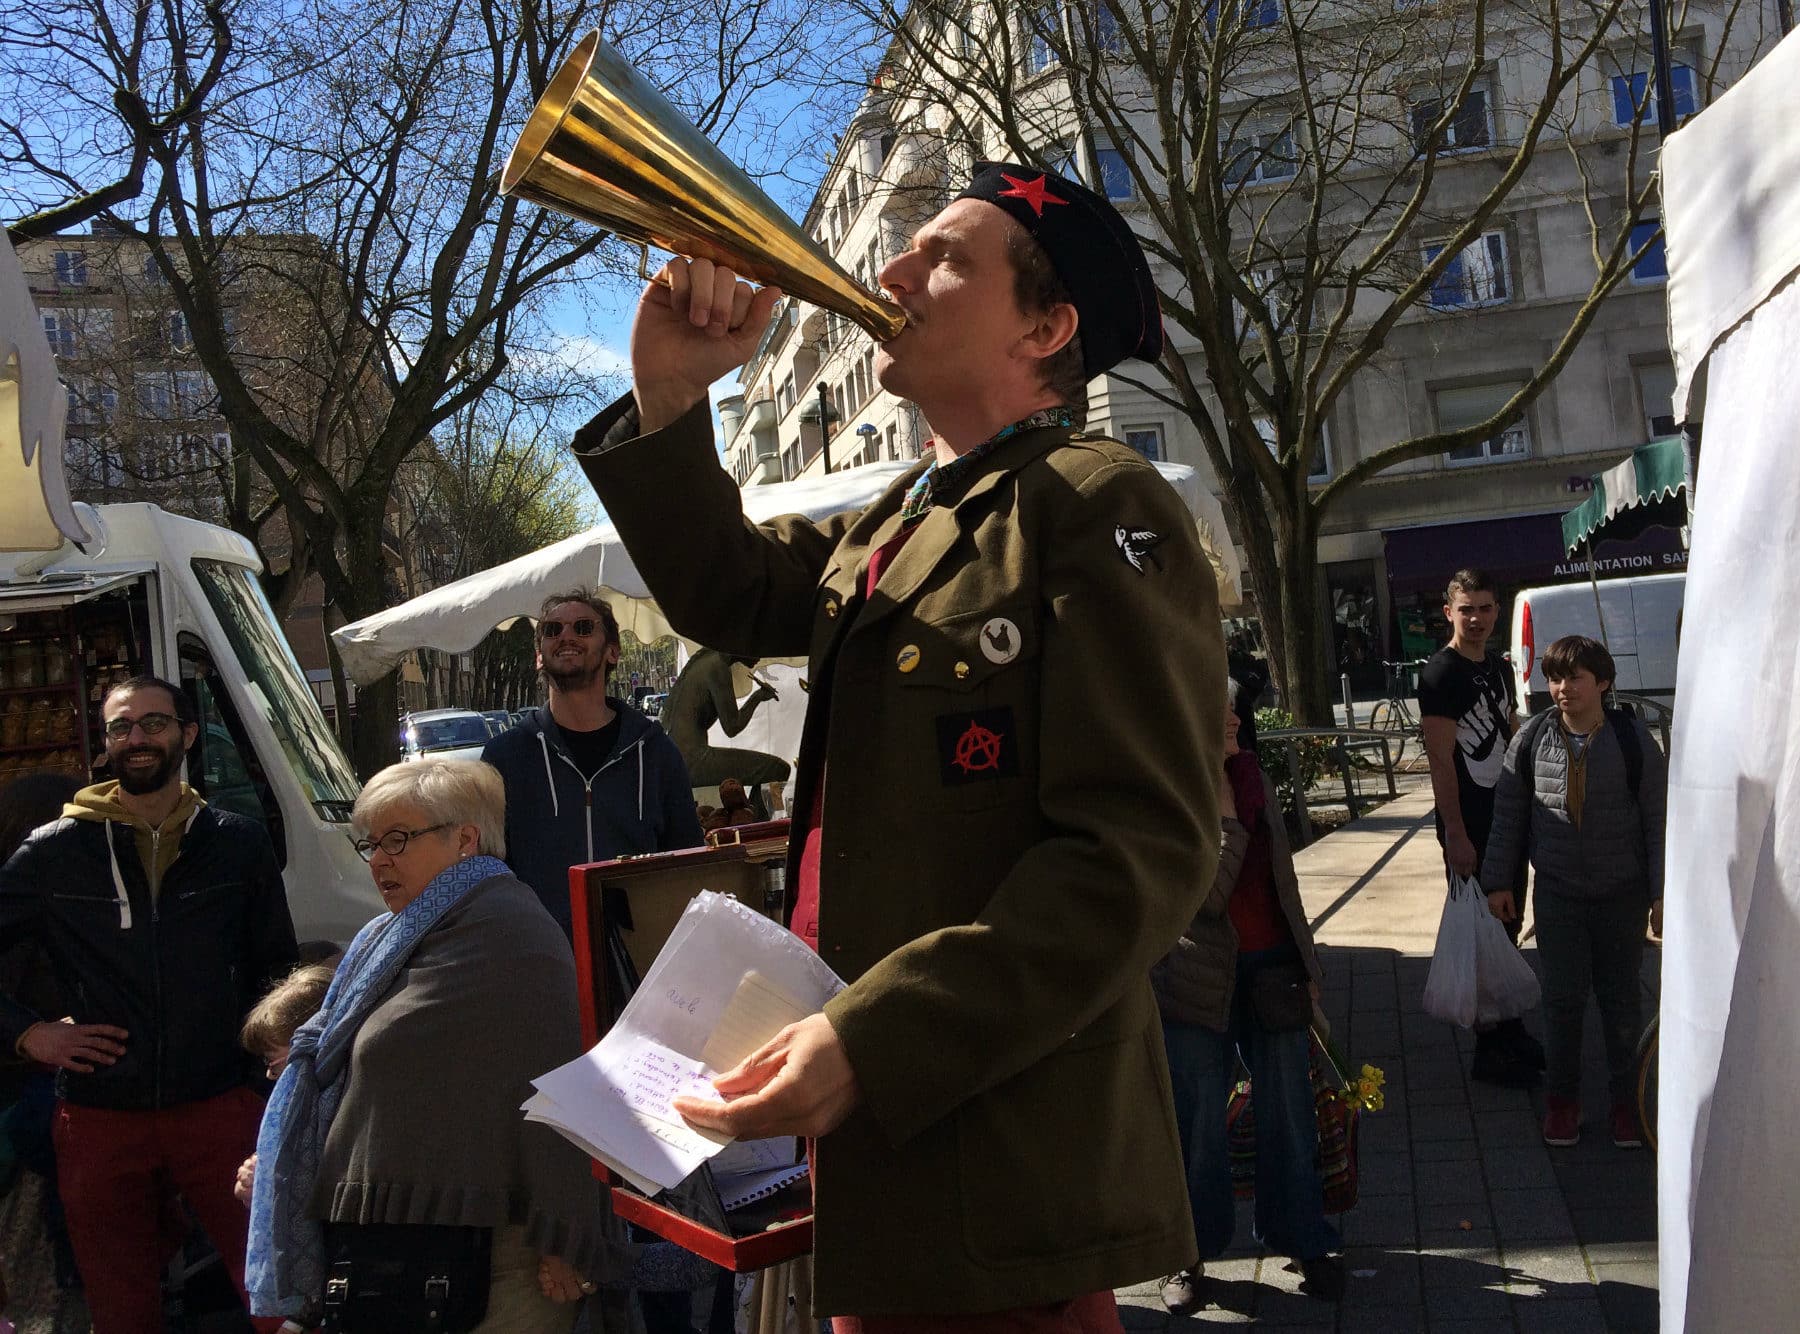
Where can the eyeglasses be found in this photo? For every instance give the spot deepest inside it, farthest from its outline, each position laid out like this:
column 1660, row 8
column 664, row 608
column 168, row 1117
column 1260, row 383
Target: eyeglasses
column 393, row 842
column 152, row 723
column 551, row 629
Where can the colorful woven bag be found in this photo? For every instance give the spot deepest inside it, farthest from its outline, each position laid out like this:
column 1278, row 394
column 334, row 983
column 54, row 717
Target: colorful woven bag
column 1337, row 1119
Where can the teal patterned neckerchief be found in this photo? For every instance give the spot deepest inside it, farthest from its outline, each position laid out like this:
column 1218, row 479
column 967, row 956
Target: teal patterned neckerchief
column 942, row 479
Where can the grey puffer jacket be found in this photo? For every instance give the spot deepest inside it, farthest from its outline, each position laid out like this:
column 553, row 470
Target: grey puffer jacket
column 1617, row 851
column 1194, row 981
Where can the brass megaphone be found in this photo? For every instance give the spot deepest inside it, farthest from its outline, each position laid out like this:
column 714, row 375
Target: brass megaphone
column 604, row 146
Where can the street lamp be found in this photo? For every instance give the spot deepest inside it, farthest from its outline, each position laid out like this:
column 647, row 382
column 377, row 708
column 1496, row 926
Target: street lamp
column 823, row 414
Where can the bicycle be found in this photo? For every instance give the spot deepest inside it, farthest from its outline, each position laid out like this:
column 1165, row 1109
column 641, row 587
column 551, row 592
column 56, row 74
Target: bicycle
column 1648, row 1058
column 1394, row 714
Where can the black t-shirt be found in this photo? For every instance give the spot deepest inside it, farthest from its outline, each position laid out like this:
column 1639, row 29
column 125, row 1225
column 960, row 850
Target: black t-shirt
column 590, row 750
column 1479, row 697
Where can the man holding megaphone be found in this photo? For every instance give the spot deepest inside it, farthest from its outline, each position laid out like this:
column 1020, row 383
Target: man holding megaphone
column 1005, row 806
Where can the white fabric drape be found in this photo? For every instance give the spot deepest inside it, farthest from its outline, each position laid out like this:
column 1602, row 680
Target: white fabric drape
column 1730, row 1163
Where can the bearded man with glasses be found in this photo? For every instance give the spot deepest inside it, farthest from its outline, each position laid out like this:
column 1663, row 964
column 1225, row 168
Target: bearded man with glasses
column 588, row 778
column 165, row 921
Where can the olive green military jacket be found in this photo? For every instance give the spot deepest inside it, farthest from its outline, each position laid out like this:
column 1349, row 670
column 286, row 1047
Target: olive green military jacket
column 1019, row 735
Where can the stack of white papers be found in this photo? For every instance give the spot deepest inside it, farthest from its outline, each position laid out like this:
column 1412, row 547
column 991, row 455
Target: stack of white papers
column 727, row 981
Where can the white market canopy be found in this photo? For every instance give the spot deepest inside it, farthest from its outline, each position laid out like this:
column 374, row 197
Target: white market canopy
column 458, row 616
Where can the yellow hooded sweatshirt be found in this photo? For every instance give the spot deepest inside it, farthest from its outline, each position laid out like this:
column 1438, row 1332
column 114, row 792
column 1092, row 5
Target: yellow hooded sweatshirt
column 157, row 847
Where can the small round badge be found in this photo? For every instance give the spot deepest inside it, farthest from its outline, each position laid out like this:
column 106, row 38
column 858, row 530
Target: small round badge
column 1000, row 641
column 908, row 659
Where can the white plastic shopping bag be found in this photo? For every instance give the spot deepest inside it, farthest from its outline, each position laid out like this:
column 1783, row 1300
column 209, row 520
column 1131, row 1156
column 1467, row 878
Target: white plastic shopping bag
column 1506, row 987
column 1451, row 989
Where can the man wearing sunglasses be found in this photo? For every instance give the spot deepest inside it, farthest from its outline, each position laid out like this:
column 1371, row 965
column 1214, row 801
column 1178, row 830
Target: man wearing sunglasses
column 588, row 778
column 165, row 921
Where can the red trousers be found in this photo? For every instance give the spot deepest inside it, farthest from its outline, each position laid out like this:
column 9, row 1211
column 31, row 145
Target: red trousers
column 113, row 1170
column 1095, row 1313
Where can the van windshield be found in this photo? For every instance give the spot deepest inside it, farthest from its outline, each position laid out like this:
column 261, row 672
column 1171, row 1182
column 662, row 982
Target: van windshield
column 306, row 740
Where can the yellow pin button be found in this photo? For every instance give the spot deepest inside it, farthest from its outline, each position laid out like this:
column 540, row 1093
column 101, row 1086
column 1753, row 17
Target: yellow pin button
column 962, row 671
column 908, row 658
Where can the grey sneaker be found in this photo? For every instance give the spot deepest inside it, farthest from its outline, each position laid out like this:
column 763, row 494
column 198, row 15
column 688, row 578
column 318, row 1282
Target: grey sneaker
column 1181, row 1291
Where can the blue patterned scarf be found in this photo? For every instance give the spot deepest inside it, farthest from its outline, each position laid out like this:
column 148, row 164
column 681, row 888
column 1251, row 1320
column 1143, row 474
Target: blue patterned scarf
column 941, row 479
column 285, row 1269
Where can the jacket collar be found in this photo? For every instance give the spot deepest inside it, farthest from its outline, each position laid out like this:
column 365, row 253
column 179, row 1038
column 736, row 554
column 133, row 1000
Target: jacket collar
column 633, row 726
column 944, row 523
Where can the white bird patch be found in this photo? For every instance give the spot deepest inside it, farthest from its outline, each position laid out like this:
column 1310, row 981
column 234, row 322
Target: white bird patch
column 1138, row 546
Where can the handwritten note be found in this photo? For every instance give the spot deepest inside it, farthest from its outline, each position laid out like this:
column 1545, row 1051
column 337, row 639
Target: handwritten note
column 652, row 1078
column 727, row 980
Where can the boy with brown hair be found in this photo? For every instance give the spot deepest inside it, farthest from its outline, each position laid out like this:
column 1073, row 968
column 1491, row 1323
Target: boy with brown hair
column 1582, row 793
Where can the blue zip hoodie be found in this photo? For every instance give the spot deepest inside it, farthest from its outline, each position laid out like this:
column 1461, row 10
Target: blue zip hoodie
column 639, row 800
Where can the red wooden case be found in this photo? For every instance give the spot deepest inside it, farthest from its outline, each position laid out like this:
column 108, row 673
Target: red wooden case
column 651, row 892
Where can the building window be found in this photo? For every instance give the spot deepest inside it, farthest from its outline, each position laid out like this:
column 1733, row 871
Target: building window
column 71, row 268
column 152, row 270
column 1320, row 469
column 1464, row 407
column 1629, row 92
column 1656, row 396
column 180, row 338
column 1478, row 276
column 893, row 442
column 1470, row 127
column 1041, row 28
column 59, row 329
column 1653, row 265
column 155, row 394
column 1106, row 30
column 1115, row 174
column 1261, row 157
column 194, row 393
column 1147, row 440
column 90, row 404
column 1251, row 13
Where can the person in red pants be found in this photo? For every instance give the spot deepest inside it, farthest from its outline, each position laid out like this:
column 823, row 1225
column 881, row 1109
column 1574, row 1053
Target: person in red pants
column 164, row 921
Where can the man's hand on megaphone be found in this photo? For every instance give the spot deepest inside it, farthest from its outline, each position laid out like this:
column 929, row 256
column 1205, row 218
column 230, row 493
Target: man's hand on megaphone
column 696, row 322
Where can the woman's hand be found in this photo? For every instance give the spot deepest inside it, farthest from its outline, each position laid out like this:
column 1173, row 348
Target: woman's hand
column 246, row 1181
column 560, row 1281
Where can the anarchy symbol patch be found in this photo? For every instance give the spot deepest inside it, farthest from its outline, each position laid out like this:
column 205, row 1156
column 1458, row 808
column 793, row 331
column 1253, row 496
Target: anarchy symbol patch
column 976, row 746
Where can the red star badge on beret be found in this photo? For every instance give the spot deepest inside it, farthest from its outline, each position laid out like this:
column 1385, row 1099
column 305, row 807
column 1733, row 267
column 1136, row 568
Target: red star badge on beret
column 1035, row 193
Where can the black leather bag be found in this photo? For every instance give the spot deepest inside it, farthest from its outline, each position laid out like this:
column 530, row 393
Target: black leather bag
column 1281, row 997
column 384, row 1278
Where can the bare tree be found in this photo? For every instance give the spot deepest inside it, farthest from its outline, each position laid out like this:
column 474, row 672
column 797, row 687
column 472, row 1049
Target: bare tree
column 1315, row 181
column 331, row 227
column 498, row 485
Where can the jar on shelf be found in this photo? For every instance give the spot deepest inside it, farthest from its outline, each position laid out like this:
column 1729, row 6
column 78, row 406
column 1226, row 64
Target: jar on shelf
column 28, row 664
column 57, row 667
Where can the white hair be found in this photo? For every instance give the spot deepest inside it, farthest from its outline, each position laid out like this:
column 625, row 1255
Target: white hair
column 450, row 792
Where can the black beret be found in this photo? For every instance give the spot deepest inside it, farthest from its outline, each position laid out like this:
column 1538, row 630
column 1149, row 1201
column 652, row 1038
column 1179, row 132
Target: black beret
column 1093, row 251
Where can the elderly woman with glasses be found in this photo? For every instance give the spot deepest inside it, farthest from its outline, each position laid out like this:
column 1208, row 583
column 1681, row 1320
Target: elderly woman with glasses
column 393, row 1143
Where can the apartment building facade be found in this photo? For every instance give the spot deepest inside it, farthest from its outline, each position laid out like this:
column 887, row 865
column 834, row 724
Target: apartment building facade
column 144, row 419
column 1494, row 317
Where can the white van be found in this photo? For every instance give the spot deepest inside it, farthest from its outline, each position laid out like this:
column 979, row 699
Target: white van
column 1635, row 618
column 91, row 596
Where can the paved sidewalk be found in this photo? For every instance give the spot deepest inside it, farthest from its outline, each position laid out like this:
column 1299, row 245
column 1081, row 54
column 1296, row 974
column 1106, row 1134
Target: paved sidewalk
column 1467, row 1222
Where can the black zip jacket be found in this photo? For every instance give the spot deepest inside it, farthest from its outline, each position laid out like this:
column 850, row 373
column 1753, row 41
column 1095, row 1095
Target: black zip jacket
column 638, row 800
column 179, row 979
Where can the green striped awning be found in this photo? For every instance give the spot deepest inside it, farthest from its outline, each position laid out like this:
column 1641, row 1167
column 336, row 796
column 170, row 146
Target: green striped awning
column 1642, row 492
